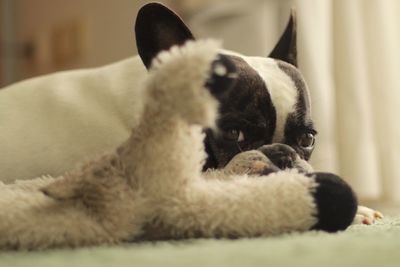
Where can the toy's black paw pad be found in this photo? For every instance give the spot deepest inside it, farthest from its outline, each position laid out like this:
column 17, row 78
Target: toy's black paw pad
column 223, row 76
column 336, row 203
column 281, row 155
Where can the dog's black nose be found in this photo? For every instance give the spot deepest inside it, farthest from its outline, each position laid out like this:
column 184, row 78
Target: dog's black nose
column 223, row 76
column 281, row 155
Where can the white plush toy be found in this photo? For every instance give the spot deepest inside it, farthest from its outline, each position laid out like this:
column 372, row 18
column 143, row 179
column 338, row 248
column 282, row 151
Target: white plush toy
column 153, row 187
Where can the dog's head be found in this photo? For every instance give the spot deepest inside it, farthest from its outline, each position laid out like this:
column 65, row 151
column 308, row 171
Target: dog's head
column 269, row 103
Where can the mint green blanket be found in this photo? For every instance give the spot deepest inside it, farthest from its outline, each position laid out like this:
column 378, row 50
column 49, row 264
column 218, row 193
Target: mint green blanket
column 375, row 245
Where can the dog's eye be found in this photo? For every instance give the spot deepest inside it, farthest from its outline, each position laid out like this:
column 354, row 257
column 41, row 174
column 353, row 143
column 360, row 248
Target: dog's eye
column 233, row 135
column 306, row 140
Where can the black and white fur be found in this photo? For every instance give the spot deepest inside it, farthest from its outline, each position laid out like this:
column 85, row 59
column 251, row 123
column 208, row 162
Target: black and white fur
column 75, row 115
column 268, row 108
column 152, row 186
column 268, row 104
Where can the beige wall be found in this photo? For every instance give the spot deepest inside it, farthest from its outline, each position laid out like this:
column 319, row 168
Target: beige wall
column 105, row 33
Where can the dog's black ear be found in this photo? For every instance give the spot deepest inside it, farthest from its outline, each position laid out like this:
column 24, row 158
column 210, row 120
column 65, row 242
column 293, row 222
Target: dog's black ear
column 158, row 28
column 286, row 48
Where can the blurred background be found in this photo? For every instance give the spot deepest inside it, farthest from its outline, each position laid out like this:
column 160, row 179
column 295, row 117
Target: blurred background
column 348, row 53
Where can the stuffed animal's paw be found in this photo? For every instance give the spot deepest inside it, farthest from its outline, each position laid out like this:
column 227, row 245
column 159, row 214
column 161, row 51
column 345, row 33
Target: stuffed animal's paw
column 180, row 78
column 251, row 162
column 366, row 216
column 267, row 159
column 223, row 76
column 336, row 202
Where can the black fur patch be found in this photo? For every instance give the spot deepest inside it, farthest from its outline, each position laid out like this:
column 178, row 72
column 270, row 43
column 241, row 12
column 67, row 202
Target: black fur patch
column 286, row 48
column 220, row 83
column 247, row 108
column 158, row 28
column 336, row 203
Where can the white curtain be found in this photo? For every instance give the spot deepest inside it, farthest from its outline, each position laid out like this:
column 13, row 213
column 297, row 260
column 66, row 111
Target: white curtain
column 349, row 53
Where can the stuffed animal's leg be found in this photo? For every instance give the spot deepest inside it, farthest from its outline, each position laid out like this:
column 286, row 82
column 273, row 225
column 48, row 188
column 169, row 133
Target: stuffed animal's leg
column 166, row 148
column 243, row 206
column 31, row 220
column 88, row 207
column 238, row 207
column 255, row 162
column 336, row 202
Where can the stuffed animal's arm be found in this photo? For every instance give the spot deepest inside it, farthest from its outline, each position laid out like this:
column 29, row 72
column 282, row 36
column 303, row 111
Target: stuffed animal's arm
column 255, row 162
column 31, row 219
column 239, row 207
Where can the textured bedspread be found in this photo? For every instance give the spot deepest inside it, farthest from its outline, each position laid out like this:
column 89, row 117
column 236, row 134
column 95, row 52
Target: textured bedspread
column 376, row 245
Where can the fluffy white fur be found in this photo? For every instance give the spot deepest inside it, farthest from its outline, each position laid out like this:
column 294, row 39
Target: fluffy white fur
column 152, row 186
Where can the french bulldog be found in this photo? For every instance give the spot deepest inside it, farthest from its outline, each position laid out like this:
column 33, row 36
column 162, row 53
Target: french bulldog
column 49, row 124
column 268, row 104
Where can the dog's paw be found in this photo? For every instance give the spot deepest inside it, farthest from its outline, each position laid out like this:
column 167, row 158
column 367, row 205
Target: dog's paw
column 223, row 76
column 281, row 155
column 251, row 162
column 366, row 216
